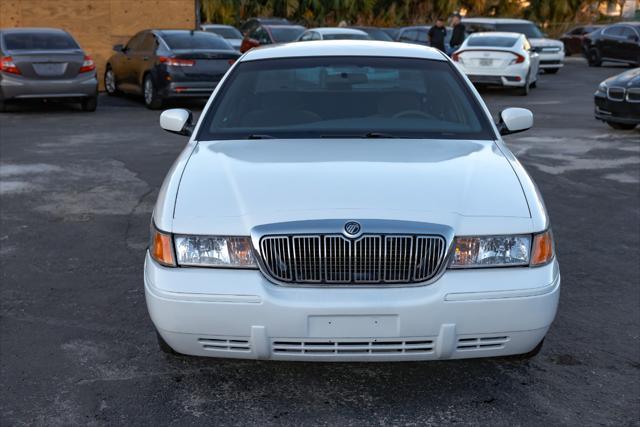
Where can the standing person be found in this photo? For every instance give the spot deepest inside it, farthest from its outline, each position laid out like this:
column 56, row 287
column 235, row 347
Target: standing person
column 437, row 34
column 457, row 35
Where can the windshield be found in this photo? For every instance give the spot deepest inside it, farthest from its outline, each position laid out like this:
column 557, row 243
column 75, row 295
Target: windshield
column 528, row 29
column 40, row 40
column 345, row 36
column 342, row 97
column 495, row 41
column 193, row 40
column 285, row 34
column 226, row 32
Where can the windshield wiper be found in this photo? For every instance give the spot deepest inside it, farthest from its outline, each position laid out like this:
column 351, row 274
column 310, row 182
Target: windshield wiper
column 259, row 136
column 366, row 135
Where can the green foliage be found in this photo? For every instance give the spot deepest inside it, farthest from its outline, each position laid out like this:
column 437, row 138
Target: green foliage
column 394, row 12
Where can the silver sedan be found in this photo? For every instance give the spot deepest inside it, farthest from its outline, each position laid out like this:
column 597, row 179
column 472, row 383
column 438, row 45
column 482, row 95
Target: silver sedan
column 45, row 63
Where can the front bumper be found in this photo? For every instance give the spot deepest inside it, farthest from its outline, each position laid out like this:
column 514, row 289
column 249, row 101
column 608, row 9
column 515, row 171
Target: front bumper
column 18, row 87
column 240, row 314
column 551, row 60
column 616, row 111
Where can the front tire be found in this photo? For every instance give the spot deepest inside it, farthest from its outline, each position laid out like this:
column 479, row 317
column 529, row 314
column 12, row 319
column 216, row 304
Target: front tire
column 152, row 99
column 164, row 347
column 89, row 104
column 621, row 126
column 551, row 70
column 110, row 85
column 594, row 58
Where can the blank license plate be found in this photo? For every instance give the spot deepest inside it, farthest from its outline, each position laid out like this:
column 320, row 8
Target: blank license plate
column 353, row 326
column 53, row 69
column 484, row 62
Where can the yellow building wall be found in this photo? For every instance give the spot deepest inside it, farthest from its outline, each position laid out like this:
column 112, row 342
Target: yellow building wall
column 99, row 24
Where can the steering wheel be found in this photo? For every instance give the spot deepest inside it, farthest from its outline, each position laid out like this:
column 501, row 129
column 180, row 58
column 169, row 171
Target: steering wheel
column 408, row 113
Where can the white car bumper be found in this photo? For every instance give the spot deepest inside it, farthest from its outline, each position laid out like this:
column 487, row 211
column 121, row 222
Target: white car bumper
column 240, row 314
column 512, row 76
column 551, row 60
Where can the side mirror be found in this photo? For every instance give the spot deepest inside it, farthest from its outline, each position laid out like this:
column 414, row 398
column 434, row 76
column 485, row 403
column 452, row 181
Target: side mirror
column 177, row 120
column 514, row 120
column 118, row 48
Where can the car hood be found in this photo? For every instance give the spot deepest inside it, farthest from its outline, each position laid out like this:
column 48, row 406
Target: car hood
column 274, row 180
column 544, row 42
column 629, row 78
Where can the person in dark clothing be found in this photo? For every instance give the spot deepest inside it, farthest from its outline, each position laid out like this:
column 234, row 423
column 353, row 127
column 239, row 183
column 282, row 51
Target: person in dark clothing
column 437, row 34
column 457, row 35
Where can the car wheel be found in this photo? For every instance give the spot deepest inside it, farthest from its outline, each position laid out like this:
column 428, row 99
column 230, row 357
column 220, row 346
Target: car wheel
column 594, row 58
column 89, row 104
column 164, row 347
column 551, row 70
column 621, row 126
column 110, row 82
column 151, row 97
column 526, row 356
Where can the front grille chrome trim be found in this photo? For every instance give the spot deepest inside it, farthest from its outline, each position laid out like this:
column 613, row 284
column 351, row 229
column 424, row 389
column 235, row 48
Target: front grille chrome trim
column 316, row 253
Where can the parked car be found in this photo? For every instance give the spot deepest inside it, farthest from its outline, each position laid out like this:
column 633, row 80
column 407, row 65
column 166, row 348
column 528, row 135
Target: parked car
column 45, row 63
column 349, row 202
column 169, row 64
column 252, row 23
column 573, row 39
column 229, row 33
column 614, row 43
column 392, row 32
column 499, row 59
column 551, row 51
column 333, row 33
column 271, row 34
column 376, row 33
column 419, row 34
column 618, row 100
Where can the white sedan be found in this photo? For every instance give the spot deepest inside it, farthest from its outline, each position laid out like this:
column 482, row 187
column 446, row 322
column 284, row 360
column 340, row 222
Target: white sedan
column 499, row 59
column 349, row 201
column 333, row 33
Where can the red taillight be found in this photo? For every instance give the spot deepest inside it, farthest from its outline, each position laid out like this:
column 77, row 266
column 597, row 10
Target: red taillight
column 87, row 65
column 8, row 66
column 519, row 59
column 231, row 61
column 456, row 56
column 176, row 62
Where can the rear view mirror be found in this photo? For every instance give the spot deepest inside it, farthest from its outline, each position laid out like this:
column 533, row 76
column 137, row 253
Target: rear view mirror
column 514, row 120
column 118, row 47
column 177, row 120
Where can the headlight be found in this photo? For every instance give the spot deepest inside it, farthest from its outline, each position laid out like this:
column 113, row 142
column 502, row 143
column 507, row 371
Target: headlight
column 214, row 251
column 602, row 87
column 491, row 251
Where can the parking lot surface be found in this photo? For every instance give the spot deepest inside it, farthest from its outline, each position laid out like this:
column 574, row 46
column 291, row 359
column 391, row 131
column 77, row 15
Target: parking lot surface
column 77, row 345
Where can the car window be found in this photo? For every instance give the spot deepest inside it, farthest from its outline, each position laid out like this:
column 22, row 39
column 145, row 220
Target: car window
column 134, row 43
column 496, row 41
column 39, row 40
column 627, row 32
column 285, row 34
column 529, row 29
column 422, row 36
column 473, row 27
column 307, row 36
column 149, row 43
column 315, row 97
column 193, row 40
column 409, row 35
column 261, row 35
column 316, row 36
column 226, row 32
column 613, row 31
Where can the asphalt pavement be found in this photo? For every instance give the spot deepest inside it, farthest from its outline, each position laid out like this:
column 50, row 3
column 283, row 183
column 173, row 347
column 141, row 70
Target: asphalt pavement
column 77, row 345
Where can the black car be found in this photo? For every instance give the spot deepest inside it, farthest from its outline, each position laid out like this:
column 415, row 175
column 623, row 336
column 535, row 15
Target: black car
column 574, row 38
column 618, row 100
column 252, row 23
column 162, row 64
column 616, row 43
column 375, row 33
column 419, row 34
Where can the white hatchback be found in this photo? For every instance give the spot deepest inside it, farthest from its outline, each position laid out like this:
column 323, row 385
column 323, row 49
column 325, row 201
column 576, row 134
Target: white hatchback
column 349, row 201
column 499, row 59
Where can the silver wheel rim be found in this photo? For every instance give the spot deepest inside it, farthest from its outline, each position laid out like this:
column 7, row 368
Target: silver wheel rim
column 148, row 91
column 109, row 82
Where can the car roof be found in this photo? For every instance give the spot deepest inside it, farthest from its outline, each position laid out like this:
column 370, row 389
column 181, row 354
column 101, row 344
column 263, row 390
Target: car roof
column 416, row 27
column 282, row 26
column 494, row 34
column 337, row 30
column 343, row 48
column 33, row 30
column 497, row 20
column 217, row 26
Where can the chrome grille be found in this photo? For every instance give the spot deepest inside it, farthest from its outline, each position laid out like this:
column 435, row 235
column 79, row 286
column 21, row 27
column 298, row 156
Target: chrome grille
column 337, row 260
